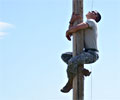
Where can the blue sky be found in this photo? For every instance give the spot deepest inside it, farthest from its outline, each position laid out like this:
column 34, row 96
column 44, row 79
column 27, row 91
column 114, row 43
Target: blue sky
column 32, row 38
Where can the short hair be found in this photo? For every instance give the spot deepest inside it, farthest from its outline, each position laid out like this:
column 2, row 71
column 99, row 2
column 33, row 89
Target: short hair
column 98, row 17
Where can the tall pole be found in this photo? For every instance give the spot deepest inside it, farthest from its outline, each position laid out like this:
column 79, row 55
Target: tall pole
column 78, row 45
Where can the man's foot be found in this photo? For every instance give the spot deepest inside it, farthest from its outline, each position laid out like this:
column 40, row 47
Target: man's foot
column 67, row 87
column 86, row 72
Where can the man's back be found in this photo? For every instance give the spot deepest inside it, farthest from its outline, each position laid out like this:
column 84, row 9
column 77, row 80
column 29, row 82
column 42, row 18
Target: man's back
column 90, row 35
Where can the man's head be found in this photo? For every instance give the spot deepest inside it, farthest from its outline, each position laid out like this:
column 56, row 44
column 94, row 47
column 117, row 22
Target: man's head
column 94, row 15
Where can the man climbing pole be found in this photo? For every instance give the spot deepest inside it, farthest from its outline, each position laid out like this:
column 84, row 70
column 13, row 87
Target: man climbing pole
column 90, row 51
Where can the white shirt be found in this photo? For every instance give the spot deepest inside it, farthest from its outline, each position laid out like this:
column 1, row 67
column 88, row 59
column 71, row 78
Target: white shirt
column 90, row 35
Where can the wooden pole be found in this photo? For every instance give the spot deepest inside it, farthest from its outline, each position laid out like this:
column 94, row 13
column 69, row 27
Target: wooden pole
column 78, row 45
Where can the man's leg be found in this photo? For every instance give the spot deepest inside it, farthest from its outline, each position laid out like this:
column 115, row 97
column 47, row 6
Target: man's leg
column 82, row 58
column 71, row 75
column 66, row 57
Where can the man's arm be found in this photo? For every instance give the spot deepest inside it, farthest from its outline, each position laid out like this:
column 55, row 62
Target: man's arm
column 74, row 18
column 74, row 29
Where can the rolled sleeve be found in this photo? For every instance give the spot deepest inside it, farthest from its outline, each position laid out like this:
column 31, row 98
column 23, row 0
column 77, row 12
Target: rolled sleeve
column 90, row 22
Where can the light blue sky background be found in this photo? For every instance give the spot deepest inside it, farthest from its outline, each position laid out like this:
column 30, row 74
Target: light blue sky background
column 32, row 40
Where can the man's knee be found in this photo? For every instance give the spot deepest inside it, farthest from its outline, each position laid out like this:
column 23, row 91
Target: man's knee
column 66, row 56
column 96, row 57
